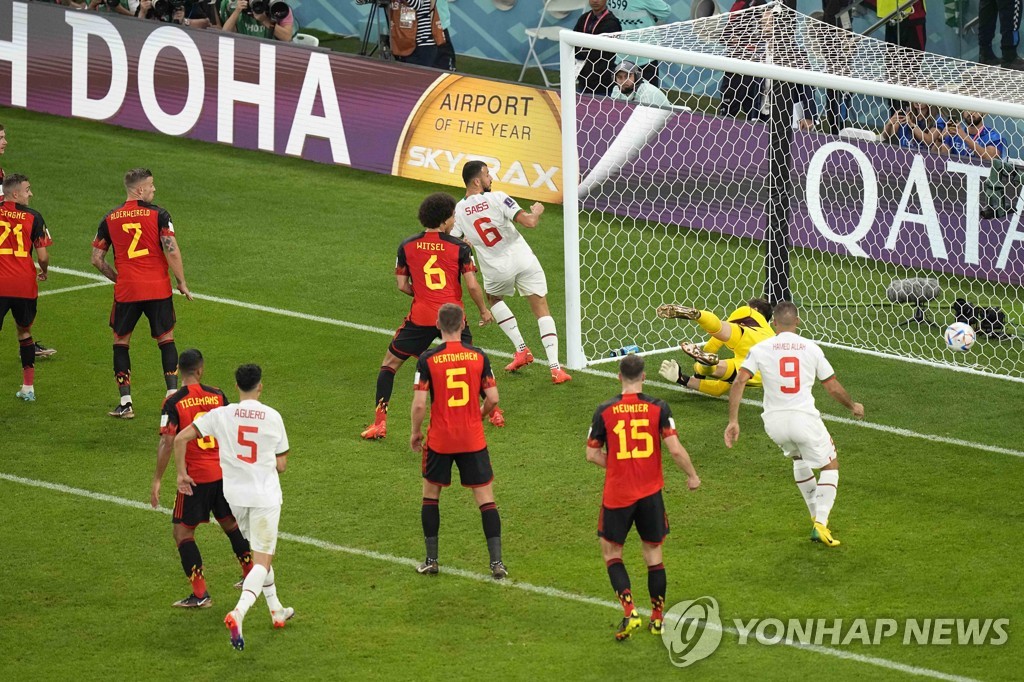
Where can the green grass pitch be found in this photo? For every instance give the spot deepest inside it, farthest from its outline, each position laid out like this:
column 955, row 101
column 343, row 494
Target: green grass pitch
column 929, row 527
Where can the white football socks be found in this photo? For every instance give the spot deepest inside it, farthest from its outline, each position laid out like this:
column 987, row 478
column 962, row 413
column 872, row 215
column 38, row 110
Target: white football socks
column 251, row 587
column 507, row 321
column 270, row 592
column 804, row 477
column 828, row 486
column 549, row 337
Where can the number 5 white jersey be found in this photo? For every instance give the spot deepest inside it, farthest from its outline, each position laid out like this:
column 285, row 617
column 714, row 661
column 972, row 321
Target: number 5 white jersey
column 788, row 364
column 487, row 222
column 251, row 436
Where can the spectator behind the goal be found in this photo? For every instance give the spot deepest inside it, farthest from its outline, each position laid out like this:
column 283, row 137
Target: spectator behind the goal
column 630, row 86
column 594, row 67
column 1009, row 14
column 912, row 126
column 634, row 14
column 239, row 16
column 970, row 137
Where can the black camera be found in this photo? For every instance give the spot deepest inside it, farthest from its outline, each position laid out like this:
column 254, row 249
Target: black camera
column 258, row 7
column 164, row 9
column 279, row 10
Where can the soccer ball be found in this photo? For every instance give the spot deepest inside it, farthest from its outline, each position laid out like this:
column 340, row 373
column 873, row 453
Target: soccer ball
column 959, row 336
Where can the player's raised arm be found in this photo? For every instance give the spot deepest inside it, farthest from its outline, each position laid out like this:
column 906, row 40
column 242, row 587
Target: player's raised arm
column 185, row 482
column 836, row 390
column 732, row 430
column 682, row 460
column 531, row 219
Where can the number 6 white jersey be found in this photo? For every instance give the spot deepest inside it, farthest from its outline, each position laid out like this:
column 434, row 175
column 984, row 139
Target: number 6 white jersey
column 788, row 364
column 251, row 436
column 487, row 222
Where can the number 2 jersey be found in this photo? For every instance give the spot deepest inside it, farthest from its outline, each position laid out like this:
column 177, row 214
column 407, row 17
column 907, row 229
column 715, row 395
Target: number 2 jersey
column 788, row 364
column 21, row 230
column 455, row 375
column 435, row 263
column 133, row 230
column 488, row 222
column 251, row 435
column 188, row 403
column 631, row 425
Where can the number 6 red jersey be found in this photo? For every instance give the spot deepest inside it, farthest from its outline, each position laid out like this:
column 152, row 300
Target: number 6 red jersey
column 134, row 230
column 435, row 263
column 632, row 426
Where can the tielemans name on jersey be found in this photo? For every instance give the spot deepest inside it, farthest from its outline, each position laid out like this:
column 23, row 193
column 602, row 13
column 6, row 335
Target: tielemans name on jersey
column 454, row 357
column 630, row 408
column 201, row 401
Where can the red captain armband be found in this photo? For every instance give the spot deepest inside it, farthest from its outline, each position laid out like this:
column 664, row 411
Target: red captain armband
column 488, row 382
column 166, row 231
column 469, row 267
column 100, row 244
column 594, row 443
column 665, row 433
column 43, row 242
column 400, row 270
column 421, row 386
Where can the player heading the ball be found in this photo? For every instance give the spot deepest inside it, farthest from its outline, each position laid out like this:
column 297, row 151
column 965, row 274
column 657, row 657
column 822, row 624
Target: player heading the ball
column 487, row 220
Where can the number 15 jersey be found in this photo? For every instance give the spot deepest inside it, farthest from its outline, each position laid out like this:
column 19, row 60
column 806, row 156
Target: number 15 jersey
column 632, row 426
column 435, row 263
column 250, row 436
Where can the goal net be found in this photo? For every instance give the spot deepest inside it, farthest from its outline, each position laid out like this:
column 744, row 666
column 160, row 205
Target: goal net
column 877, row 187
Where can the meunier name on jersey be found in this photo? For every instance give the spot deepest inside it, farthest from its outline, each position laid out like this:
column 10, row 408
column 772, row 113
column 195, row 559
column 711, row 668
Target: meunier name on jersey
column 630, row 408
column 454, row 357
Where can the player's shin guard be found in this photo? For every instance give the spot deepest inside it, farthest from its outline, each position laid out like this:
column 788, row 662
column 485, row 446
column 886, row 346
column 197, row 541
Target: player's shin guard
column 430, row 516
column 270, row 592
column 192, row 563
column 656, row 584
column 123, row 370
column 804, row 477
column 385, row 387
column 709, row 322
column 251, row 588
column 169, row 360
column 828, row 486
column 241, row 548
column 549, row 337
column 507, row 321
column 620, row 583
column 492, row 529
column 27, row 351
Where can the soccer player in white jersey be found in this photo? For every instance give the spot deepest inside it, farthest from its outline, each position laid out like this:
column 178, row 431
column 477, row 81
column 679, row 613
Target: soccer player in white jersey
column 487, row 220
column 253, row 450
column 788, row 364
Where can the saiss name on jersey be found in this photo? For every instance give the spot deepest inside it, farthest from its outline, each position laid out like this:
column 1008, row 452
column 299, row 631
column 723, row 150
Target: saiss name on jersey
column 788, row 364
column 487, row 222
column 250, row 436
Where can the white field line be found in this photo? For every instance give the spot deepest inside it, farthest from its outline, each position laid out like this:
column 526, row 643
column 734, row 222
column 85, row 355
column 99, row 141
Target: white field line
column 896, row 431
column 484, row 578
column 51, row 292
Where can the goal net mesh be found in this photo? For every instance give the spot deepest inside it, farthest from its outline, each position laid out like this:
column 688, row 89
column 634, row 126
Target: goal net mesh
column 887, row 229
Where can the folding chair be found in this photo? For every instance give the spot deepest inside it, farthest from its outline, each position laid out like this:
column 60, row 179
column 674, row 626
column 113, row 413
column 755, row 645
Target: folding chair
column 557, row 9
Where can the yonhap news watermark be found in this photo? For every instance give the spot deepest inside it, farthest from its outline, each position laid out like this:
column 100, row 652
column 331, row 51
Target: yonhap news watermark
column 694, row 629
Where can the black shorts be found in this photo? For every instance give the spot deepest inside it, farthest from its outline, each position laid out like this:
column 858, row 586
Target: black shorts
column 648, row 513
column 160, row 313
column 413, row 339
column 191, row 510
column 474, row 468
column 23, row 310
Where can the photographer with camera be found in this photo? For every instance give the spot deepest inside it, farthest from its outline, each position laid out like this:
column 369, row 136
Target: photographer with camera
column 260, row 18
column 194, row 13
column 126, row 7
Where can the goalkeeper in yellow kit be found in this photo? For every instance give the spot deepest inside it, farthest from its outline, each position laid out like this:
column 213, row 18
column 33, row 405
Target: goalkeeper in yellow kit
column 745, row 326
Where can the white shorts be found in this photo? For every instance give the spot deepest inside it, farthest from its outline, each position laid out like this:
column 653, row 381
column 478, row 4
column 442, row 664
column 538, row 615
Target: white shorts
column 528, row 279
column 801, row 437
column 259, row 526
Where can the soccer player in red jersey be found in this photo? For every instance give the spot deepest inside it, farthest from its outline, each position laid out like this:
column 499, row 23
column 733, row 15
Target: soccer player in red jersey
column 202, row 457
column 142, row 236
column 430, row 267
column 454, row 375
column 21, row 230
column 40, row 350
column 625, row 440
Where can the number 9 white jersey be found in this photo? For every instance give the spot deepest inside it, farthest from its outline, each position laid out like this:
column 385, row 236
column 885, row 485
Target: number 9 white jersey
column 788, row 364
column 487, row 222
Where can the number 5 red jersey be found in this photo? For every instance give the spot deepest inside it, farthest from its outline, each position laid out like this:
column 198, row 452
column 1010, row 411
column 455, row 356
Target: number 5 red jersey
column 134, row 230
column 455, row 375
column 435, row 263
column 632, row 426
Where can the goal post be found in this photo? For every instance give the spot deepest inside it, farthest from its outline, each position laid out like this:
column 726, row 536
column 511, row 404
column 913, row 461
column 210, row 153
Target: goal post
column 736, row 189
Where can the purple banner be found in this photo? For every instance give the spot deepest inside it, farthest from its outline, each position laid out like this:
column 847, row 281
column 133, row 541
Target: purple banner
column 871, row 200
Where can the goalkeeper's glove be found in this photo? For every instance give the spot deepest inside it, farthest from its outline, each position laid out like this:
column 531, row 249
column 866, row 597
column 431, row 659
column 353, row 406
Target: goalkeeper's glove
column 670, row 371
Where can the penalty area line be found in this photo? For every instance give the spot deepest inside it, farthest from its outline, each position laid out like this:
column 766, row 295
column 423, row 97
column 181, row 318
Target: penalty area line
column 483, row 578
column 893, row 430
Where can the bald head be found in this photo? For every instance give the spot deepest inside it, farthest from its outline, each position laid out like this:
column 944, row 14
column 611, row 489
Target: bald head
column 786, row 318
